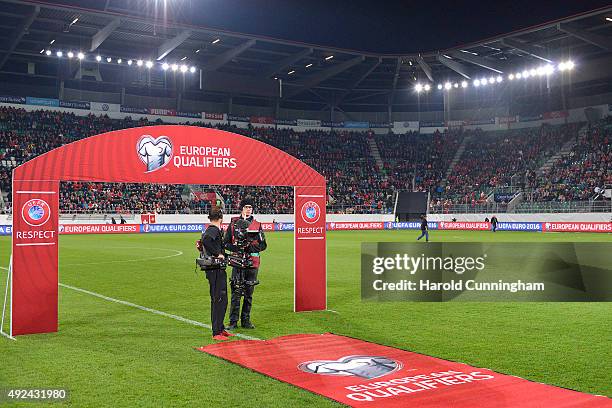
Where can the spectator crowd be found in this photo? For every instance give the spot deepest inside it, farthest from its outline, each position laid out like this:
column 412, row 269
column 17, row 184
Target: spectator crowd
column 357, row 182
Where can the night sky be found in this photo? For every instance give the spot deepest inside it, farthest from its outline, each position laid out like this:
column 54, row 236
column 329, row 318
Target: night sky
column 376, row 26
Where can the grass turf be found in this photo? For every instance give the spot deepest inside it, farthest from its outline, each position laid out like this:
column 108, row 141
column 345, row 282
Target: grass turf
column 108, row 354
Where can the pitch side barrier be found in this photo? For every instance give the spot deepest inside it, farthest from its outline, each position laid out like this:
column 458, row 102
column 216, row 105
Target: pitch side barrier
column 601, row 227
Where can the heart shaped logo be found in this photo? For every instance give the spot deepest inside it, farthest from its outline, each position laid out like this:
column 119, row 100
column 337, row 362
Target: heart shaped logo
column 154, row 153
column 358, row 366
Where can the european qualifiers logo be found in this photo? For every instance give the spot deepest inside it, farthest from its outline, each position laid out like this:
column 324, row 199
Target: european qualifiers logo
column 154, row 153
column 357, row 366
column 311, row 212
column 36, row 212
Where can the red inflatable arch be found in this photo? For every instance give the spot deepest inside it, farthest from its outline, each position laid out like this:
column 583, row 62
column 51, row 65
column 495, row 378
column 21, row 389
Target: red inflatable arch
column 154, row 154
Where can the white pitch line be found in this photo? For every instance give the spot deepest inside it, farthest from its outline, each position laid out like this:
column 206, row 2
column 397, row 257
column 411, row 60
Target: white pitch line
column 8, row 336
column 177, row 253
column 147, row 309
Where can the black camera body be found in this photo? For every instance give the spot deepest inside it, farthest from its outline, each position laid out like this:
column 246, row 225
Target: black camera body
column 241, row 258
column 206, row 262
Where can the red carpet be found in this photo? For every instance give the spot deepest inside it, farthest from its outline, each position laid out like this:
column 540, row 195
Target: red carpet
column 358, row 373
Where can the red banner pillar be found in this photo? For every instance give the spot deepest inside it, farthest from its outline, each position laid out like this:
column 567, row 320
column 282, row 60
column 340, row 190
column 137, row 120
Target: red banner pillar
column 310, row 289
column 35, row 257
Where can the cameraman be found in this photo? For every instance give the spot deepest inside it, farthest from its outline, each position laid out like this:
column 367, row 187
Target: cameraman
column 245, row 238
column 211, row 244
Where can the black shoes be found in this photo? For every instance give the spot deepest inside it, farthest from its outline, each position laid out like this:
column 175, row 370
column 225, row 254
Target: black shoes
column 247, row 325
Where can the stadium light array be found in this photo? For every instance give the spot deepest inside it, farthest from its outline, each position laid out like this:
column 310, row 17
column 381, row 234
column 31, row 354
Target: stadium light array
column 541, row 71
column 149, row 64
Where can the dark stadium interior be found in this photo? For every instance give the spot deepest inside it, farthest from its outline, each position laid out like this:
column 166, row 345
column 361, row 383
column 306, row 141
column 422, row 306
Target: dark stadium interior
column 242, row 75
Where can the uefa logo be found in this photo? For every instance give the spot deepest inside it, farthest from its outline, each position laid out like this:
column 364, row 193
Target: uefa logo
column 36, row 212
column 311, row 212
column 357, row 366
column 154, row 153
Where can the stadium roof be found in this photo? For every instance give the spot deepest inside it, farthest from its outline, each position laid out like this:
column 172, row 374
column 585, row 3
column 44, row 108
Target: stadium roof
column 311, row 75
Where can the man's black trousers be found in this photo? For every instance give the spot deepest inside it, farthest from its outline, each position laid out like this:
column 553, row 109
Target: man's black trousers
column 249, row 274
column 217, row 278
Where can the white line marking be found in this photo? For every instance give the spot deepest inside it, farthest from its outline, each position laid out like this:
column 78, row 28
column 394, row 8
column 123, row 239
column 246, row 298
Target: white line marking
column 311, row 196
column 8, row 278
column 177, row 253
column 147, row 309
column 36, row 192
column 7, row 336
column 36, row 244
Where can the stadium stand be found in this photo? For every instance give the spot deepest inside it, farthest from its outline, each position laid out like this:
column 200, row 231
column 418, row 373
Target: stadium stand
column 356, row 183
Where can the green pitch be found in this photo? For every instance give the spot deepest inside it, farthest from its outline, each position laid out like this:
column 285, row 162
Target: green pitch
column 111, row 354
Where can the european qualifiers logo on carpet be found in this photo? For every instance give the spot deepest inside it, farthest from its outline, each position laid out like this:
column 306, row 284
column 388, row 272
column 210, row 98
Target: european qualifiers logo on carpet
column 362, row 374
column 359, row 366
column 36, row 212
column 155, row 153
